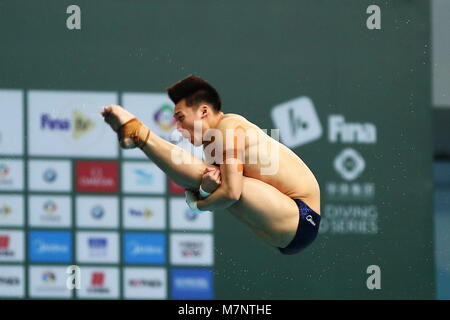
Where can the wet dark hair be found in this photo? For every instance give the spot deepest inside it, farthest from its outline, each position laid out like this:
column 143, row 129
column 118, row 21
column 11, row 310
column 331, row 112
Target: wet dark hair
column 195, row 90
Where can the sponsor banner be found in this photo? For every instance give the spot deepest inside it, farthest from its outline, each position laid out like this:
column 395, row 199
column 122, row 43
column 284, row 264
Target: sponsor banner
column 97, row 176
column 50, row 175
column 11, row 175
column 97, row 212
column 50, row 246
column 11, row 246
column 48, row 282
column 11, row 123
column 145, row 283
column 12, row 210
column 12, row 281
column 144, row 213
column 154, row 110
column 50, row 211
column 191, row 249
column 183, row 218
column 68, row 123
column 97, row 247
column 144, row 248
column 99, row 282
column 143, row 177
column 175, row 189
column 191, row 284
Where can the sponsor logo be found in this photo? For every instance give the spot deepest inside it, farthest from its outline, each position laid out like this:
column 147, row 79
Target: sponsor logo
column 349, row 164
column 298, row 122
column 151, row 283
column 97, row 246
column 340, row 131
column 50, row 206
column 97, row 212
column 48, row 277
column 5, row 176
column 5, row 250
column 192, row 284
column 48, row 282
column 81, row 124
column 50, row 209
column 175, row 189
column 97, row 176
column 5, row 210
column 9, row 281
column 49, row 175
column 52, row 123
column 4, row 242
column 190, row 215
column 51, row 246
column 145, row 283
column 4, row 170
column 164, row 118
column 11, row 245
column 191, row 248
column 144, row 248
column 97, row 284
column 97, row 279
column 143, row 177
column 145, row 214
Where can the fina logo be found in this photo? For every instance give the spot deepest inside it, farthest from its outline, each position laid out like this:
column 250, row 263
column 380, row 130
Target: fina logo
column 146, row 213
column 97, row 212
column 347, row 132
column 50, row 175
column 5, row 210
column 298, row 122
column 81, row 124
column 54, row 124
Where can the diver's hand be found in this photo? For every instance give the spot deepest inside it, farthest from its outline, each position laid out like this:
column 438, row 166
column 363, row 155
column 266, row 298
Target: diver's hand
column 116, row 116
column 211, row 180
column 130, row 131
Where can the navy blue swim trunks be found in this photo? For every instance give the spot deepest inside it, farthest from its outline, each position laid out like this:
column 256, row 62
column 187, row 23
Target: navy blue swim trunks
column 307, row 229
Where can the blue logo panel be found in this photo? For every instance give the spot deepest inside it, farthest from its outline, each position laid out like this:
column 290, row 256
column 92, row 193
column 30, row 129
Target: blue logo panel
column 192, row 284
column 144, row 248
column 50, row 246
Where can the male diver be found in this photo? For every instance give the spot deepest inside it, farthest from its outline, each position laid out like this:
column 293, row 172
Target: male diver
column 245, row 172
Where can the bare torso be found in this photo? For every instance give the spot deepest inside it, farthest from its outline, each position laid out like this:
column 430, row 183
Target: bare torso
column 290, row 175
column 275, row 219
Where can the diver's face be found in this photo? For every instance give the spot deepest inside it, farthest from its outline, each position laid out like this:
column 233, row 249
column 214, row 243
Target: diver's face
column 185, row 118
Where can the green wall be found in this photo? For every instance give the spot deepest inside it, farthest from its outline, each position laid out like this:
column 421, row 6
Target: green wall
column 259, row 54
